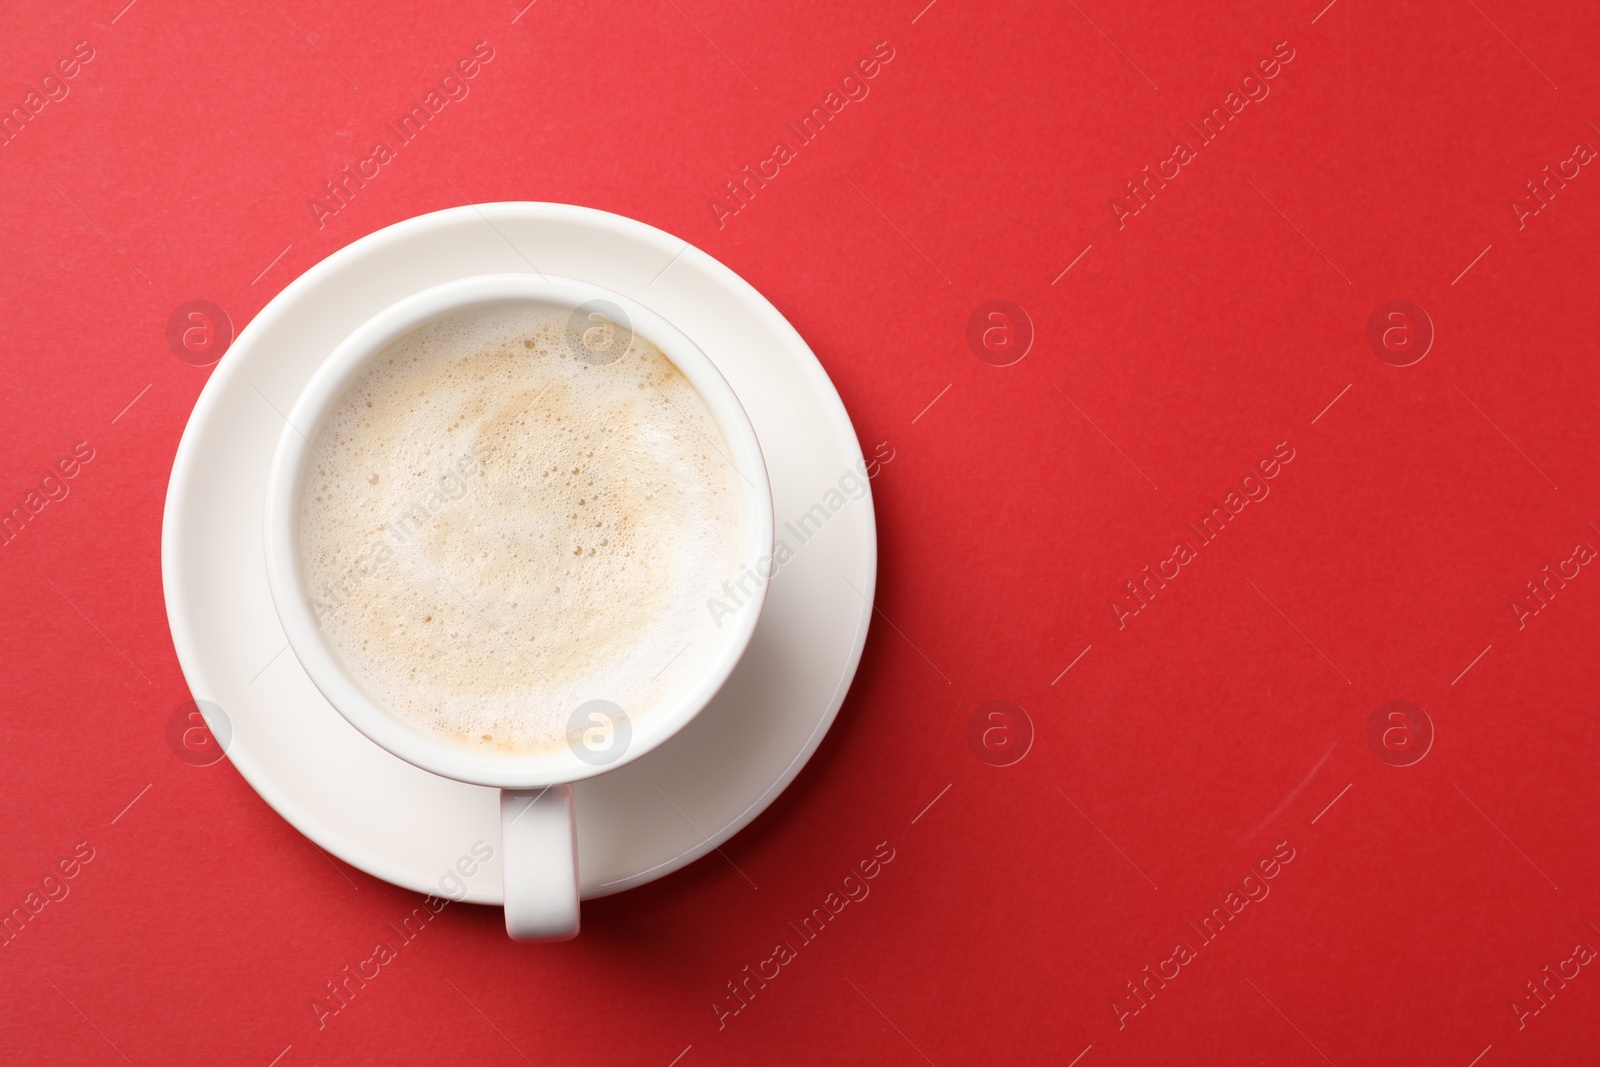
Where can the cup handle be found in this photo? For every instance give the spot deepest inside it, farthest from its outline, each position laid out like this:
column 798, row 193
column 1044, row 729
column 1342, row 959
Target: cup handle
column 539, row 857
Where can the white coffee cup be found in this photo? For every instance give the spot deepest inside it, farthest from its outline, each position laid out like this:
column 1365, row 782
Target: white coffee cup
column 539, row 834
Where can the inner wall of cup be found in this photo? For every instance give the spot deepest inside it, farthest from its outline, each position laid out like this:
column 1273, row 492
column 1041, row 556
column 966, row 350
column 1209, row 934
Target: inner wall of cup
column 603, row 334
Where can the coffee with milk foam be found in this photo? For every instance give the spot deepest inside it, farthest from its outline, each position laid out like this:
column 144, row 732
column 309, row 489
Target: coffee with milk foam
column 495, row 531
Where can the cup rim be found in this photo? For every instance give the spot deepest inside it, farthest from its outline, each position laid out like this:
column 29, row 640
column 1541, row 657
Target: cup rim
column 287, row 584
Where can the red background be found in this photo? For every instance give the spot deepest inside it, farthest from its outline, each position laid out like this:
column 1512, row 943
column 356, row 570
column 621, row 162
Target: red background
column 1221, row 720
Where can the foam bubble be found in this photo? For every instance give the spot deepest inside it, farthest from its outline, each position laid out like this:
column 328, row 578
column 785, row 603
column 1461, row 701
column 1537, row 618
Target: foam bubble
column 495, row 531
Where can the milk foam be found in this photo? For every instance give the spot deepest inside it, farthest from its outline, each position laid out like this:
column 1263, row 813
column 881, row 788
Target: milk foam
column 495, row 531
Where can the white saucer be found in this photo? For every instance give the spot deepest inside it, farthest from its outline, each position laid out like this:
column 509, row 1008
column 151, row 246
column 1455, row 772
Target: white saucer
column 405, row 825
